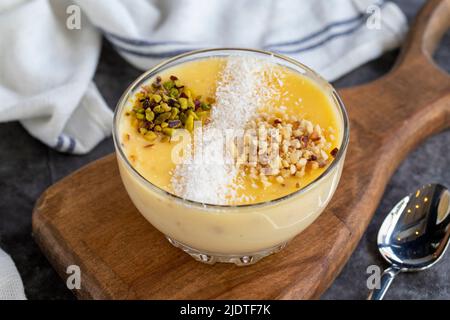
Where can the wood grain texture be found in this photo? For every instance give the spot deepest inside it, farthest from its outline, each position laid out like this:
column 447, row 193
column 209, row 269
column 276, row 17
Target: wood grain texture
column 87, row 218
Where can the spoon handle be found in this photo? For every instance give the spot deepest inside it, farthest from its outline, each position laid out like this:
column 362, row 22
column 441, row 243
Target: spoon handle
column 385, row 281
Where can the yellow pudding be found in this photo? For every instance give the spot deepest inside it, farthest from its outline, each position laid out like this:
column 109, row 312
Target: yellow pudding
column 297, row 98
column 270, row 202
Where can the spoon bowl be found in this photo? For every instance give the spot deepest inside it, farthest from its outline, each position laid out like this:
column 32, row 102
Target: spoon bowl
column 415, row 234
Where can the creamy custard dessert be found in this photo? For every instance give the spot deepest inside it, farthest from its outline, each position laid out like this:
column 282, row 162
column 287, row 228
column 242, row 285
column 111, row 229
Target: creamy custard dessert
column 230, row 154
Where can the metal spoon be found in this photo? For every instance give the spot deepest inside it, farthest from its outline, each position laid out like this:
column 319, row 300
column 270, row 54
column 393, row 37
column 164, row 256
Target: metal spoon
column 415, row 234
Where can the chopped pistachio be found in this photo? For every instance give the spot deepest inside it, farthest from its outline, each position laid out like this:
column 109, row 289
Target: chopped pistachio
column 190, row 112
column 168, row 131
column 167, row 105
column 191, row 103
column 158, row 109
column 162, row 117
column 165, row 97
column 205, row 106
column 156, row 98
column 174, row 113
column 183, row 103
column 183, row 118
column 174, row 123
column 149, row 115
column 150, row 136
column 168, row 85
column 165, row 138
column 201, row 114
column 189, row 125
column 174, row 92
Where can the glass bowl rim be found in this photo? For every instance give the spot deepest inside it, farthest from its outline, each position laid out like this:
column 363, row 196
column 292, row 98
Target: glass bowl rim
column 155, row 69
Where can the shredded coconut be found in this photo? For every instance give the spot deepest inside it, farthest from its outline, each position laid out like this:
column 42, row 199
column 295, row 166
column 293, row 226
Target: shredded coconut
column 210, row 175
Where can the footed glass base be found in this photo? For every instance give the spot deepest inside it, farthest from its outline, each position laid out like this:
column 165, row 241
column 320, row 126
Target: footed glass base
column 237, row 259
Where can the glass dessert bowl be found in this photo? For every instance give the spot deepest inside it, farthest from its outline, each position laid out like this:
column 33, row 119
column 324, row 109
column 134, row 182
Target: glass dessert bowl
column 244, row 231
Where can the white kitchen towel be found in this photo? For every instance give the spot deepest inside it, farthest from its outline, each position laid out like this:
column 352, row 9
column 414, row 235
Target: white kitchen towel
column 46, row 75
column 47, row 68
column 331, row 36
column 11, row 287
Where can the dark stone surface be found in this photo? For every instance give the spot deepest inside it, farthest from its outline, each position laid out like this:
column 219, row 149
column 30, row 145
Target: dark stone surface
column 28, row 167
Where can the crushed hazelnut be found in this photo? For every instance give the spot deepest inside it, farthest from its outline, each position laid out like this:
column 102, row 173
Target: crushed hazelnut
column 298, row 146
column 334, row 152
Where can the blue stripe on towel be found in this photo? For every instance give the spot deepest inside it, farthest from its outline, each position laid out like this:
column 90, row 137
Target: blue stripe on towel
column 317, row 33
column 59, row 143
column 327, row 39
column 62, row 142
column 72, row 145
column 141, row 42
column 153, row 55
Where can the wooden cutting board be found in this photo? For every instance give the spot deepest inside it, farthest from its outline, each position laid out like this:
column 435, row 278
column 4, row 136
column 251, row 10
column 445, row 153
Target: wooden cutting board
column 88, row 220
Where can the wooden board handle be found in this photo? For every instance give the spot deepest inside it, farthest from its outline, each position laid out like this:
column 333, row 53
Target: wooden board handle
column 430, row 25
column 393, row 114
